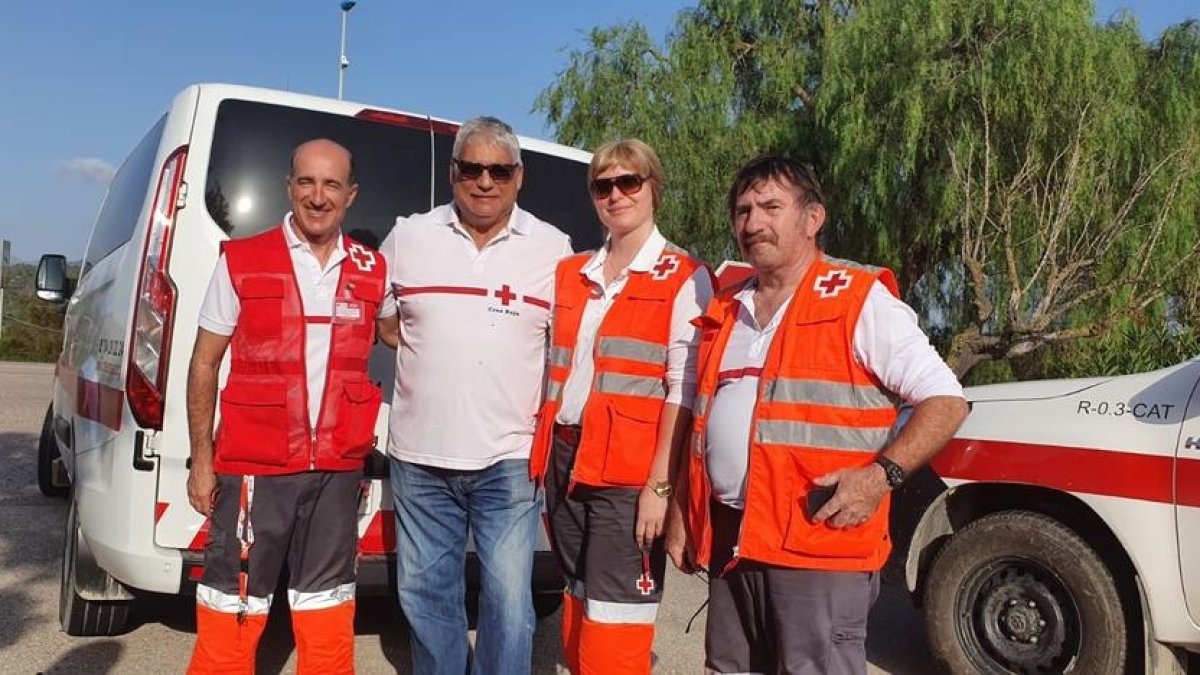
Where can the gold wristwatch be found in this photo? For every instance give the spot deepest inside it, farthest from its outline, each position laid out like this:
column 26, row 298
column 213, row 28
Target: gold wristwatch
column 661, row 488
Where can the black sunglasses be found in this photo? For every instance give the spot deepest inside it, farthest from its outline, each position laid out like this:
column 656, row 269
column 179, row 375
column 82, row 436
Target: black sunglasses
column 501, row 173
column 628, row 184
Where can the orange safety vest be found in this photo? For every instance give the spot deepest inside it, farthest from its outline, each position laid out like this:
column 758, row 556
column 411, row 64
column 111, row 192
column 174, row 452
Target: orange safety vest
column 265, row 427
column 818, row 410
column 620, row 419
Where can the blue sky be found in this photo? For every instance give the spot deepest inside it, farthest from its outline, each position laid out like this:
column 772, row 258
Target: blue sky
column 82, row 80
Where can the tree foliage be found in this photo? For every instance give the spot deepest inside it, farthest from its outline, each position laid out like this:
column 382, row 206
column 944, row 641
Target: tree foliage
column 733, row 80
column 32, row 327
column 1032, row 176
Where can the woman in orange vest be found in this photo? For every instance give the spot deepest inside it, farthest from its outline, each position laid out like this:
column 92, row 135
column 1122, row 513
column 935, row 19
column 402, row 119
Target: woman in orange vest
column 621, row 375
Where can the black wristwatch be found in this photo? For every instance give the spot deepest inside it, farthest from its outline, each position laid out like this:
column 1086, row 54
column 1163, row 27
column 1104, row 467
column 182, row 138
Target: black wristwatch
column 893, row 471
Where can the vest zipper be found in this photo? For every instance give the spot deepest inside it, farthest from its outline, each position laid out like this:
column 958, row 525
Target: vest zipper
column 749, row 451
column 312, row 457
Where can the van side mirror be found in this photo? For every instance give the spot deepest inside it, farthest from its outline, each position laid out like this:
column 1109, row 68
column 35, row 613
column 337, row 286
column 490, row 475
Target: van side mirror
column 52, row 282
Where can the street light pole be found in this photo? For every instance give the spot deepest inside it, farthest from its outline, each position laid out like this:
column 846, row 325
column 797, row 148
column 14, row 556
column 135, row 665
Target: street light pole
column 343, row 62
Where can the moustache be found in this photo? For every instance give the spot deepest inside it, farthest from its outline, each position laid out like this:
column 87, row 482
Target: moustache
column 752, row 239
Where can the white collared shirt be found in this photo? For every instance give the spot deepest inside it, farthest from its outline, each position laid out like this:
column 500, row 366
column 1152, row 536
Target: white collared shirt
column 318, row 286
column 474, row 326
column 690, row 301
column 888, row 341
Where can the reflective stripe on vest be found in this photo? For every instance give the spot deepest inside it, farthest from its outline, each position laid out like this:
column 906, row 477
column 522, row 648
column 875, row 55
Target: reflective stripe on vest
column 554, row 390
column 633, row 350
column 701, row 405
column 630, row 385
column 825, row 436
column 818, row 392
column 560, row 357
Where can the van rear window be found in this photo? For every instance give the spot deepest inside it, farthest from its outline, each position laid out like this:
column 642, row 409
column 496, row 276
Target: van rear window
column 251, row 151
column 122, row 208
column 399, row 171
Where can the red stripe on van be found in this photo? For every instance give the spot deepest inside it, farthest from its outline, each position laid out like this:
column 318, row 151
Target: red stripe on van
column 1110, row 473
column 1187, row 481
column 201, row 537
column 94, row 400
column 159, row 509
column 380, row 536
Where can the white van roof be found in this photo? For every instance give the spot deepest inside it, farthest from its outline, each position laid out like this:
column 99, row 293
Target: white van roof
column 351, row 108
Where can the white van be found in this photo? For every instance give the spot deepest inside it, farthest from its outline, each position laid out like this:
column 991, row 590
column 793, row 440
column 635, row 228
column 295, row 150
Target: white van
column 209, row 169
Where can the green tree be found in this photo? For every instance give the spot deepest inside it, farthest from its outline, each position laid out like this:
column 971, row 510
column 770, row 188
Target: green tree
column 1030, row 174
column 734, row 79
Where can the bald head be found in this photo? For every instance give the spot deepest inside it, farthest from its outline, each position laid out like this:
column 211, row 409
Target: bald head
column 325, row 148
column 321, row 188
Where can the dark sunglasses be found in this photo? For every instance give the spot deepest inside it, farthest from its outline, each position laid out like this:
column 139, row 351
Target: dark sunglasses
column 501, row 173
column 628, row 184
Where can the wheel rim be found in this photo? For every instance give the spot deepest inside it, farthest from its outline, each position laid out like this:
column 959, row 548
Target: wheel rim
column 1016, row 615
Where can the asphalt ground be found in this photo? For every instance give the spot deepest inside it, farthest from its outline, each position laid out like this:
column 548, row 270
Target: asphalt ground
column 163, row 627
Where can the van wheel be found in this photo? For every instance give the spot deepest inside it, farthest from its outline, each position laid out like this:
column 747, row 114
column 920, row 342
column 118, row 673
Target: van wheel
column 47, row 455
column 76, row 615
column 1018, row 592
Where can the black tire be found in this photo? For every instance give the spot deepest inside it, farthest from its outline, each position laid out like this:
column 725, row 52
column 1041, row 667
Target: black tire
column 1018, row 592
column 76, row 615
column 47, row 455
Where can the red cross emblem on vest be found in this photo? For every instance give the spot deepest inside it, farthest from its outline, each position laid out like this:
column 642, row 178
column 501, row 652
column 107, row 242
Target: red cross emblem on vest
column 667, row 265
column 505, row 294
column 645, row 584
column 831, row 283
column 363, row 259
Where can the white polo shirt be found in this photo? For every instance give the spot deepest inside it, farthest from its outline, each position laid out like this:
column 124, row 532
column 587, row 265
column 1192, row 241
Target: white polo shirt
column 888, row 341
column 474, row 325
column 690, row 301
column 318, row 287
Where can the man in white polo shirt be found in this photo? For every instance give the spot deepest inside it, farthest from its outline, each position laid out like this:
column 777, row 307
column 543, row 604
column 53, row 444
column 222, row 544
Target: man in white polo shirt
column 793, row 454
column 472, row 282
column 295, row 307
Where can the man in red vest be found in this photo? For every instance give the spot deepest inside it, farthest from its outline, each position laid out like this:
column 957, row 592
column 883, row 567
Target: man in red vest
column 793, row 452
column 296, row 306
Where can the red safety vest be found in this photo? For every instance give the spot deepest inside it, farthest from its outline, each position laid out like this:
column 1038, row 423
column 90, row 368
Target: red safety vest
column 818, row 411
column 620, row 419
column 265, row 427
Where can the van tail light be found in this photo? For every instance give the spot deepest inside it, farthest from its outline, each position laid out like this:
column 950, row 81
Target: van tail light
column 410, row 121
column 154, row 305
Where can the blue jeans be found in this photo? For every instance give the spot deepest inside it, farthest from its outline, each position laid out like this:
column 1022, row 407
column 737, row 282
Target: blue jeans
column 434, row 510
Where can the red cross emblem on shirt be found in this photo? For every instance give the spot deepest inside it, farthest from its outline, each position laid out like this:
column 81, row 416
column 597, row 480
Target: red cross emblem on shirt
column 505, row 294
column 363, row 259
column 831, row 283
column 667, row 265
column 645, row 584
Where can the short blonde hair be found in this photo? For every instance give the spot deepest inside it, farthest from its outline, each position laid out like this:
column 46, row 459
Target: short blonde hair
column 633, row 154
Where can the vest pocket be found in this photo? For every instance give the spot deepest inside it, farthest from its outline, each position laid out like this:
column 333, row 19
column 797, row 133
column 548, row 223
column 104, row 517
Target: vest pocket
column 821, row 540
column 254, row 424
column 261, row 312
column 821, row 344
column 355, row 431
column 632, row 440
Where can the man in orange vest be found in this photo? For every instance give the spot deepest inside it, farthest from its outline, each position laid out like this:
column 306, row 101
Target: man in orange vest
column 793, row 455
column 296, row 306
